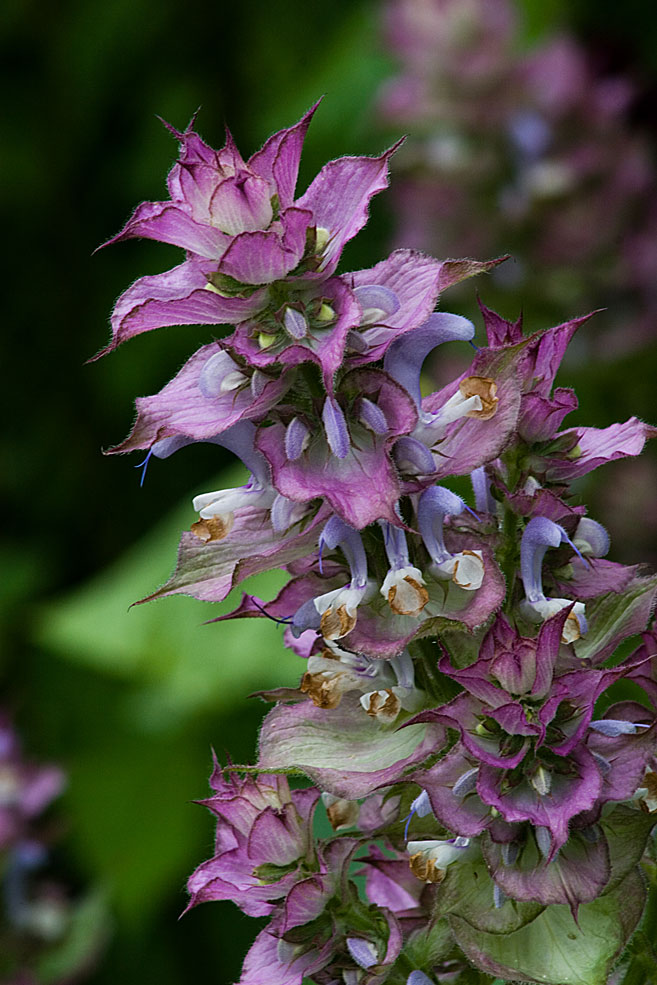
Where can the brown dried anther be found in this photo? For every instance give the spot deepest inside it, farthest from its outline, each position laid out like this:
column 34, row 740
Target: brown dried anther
column 214, row 528
column 336, row 623
column 383, row 705
column 484, row 388
column 341, row 813
column 325, row 690
column 425, row 868
column 408, row 597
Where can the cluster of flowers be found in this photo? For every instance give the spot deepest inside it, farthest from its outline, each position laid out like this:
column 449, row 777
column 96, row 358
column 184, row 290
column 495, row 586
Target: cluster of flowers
column 456, row 656
column 36, row 915
column 537, row 145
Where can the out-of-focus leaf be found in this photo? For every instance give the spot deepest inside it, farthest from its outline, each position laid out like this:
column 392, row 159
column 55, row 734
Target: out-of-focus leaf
column 135, row 826
column 178, row 665
column 349, row 67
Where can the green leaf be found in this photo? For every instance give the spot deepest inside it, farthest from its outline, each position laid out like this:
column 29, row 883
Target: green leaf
column 553, row 949
column 136, row 829
column 627, row 832
column 428, row 946
column 467, row 892
column 615, row 616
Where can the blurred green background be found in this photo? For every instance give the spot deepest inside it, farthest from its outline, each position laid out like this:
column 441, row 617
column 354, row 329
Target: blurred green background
column 131, row 700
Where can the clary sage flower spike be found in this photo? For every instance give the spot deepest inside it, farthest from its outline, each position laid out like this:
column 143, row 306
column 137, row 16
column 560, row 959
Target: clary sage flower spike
column 453, row 719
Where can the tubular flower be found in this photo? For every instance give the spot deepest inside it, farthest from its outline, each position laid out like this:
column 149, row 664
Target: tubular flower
column 337, row 609
column 386, row 686
column 465, row 569
column 429, row 859
column 403, row 586
column 540, row 534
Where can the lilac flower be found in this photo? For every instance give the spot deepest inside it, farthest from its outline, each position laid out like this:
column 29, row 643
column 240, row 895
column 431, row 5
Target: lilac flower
column 337, row 609
column 529, row 786
column 465, row 569
column 405, row 357
column 37, row 912
column 429, row 859
column 468, row 590
column 403, row 585
column 386, row 686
